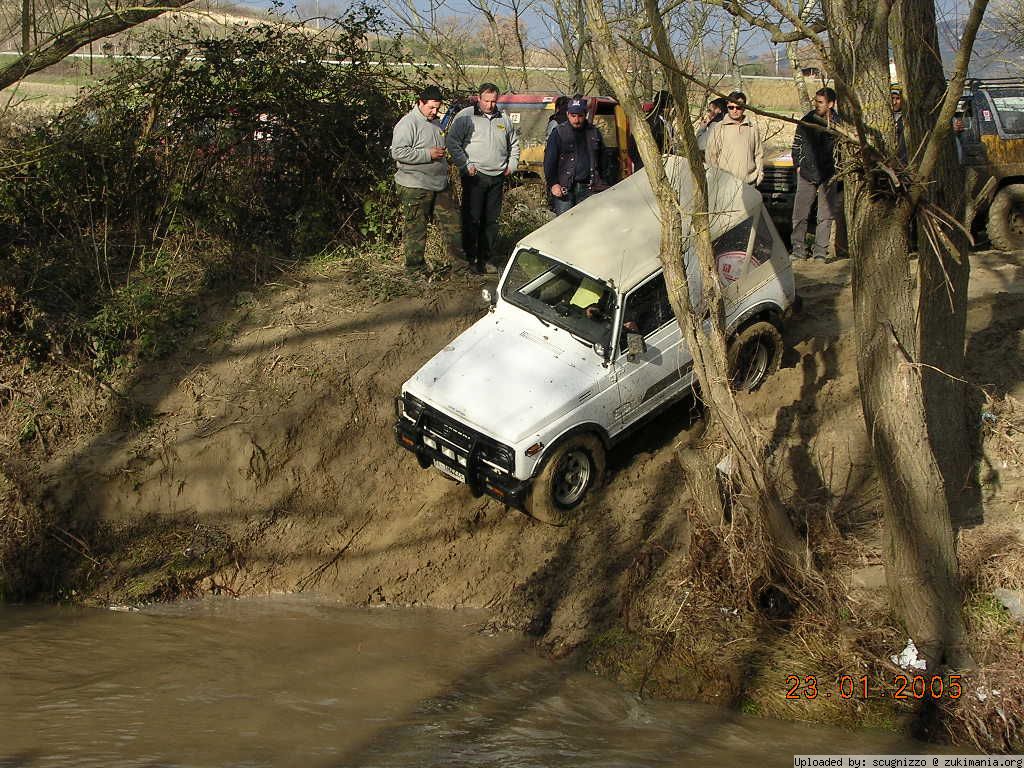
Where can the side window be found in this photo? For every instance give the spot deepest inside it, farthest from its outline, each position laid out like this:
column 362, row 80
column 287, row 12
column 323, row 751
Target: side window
column 647, row 309
column 986, row 122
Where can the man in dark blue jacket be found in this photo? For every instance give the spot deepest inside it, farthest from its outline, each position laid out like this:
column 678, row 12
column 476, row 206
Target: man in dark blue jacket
column 814, row 158
column 572, row 159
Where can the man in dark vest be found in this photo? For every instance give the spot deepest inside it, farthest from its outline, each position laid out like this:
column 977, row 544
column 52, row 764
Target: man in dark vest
column 572, row 159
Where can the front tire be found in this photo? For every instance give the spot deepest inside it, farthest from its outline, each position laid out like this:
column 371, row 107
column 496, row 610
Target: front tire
column 755, row 353
column 574, row 468
column 1006, row 218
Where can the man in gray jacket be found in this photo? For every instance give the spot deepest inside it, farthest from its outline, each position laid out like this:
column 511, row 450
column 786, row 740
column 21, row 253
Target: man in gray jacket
column 484, row 144
column 417, row 146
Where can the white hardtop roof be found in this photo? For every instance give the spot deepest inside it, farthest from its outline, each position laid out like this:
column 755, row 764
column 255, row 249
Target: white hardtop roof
column 616, row 235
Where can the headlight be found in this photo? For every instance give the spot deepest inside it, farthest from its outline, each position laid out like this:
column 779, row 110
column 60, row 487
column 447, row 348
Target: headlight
column 498, row 456
column 411, row 407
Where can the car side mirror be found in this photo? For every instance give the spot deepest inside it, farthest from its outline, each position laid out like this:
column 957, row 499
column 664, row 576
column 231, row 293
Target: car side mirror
column 635, row 346
column 490, row 297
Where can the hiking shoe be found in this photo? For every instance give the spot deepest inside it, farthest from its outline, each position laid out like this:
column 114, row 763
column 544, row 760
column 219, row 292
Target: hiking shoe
column 477, row 267
column 489, row 269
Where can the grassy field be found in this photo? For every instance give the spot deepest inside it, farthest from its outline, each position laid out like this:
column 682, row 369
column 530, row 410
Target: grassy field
column 53, row 88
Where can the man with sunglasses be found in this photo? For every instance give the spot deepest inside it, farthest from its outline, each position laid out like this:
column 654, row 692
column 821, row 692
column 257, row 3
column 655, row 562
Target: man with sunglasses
column 735, row 143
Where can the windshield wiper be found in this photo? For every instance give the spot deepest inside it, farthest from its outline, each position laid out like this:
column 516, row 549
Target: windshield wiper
column 580, row 339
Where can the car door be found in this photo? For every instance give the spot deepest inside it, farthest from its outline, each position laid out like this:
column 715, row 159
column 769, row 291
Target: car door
column 657, row 374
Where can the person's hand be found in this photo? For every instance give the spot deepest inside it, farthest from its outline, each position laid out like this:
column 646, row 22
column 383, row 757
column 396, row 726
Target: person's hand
column 958, row 124
column 471, row 170
column 436, row 153
column 557, row 191
column 594, row 312
column 508, row 171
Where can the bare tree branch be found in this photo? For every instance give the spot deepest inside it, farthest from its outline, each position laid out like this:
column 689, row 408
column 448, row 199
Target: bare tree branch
column 801, row 30
column 67, row 41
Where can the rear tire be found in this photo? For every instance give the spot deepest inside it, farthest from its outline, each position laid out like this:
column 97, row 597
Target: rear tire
column 573, row 469
column 1006, row 218
column 755, row 353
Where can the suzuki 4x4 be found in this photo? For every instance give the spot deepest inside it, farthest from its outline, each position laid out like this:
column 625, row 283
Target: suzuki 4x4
column 580, row 344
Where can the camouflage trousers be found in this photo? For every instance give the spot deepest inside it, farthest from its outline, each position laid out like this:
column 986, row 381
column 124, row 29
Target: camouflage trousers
column 419, row 207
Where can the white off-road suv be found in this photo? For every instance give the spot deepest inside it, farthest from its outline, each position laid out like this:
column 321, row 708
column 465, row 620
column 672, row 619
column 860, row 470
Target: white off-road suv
column 581, row 343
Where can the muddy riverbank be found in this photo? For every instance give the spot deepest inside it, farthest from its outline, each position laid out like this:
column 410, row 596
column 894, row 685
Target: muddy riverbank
column 259, row 458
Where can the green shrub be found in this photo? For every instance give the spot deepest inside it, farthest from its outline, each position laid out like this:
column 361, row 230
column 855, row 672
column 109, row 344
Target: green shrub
column 232, row 154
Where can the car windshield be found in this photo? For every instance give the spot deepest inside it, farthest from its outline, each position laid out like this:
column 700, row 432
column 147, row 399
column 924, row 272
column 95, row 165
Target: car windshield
column 559, row 294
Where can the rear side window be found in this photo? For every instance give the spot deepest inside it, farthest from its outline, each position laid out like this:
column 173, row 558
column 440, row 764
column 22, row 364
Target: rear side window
column 764, row 242
column 731, row 252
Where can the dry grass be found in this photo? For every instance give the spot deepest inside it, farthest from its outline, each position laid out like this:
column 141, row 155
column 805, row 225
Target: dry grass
column 1003, row 428
column 22, row 529
column 990, row 714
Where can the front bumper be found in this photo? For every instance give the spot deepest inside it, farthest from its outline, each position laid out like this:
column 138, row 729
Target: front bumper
column 462, row 456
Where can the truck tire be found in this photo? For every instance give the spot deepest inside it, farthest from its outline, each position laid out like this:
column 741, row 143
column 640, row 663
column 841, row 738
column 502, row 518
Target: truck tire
column 755, row 353
column 1006, row 218
column 574, row 467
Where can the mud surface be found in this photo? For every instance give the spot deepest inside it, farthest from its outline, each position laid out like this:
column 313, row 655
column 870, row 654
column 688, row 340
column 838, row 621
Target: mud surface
column 275, row 428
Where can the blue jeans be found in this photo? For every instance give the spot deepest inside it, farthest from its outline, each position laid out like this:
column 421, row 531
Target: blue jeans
column 575, row 195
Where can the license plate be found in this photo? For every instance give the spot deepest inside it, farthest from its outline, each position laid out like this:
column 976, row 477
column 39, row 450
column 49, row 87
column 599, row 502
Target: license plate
column 454, row 474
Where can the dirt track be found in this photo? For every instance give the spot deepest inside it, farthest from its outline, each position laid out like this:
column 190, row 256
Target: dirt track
column 277, row 428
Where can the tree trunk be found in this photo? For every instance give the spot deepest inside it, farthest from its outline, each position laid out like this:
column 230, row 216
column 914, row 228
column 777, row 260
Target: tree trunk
column 786, row 551
column 799, row 86
column 26, row 25
column 943, row 306
column 734, row 50
column 921, row 565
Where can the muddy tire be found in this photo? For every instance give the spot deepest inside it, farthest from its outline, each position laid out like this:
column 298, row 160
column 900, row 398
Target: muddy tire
column 574, row 468
column 755, row 353
column 1006, row 218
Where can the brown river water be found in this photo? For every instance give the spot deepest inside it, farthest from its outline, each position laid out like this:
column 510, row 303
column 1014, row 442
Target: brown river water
column 287, row 681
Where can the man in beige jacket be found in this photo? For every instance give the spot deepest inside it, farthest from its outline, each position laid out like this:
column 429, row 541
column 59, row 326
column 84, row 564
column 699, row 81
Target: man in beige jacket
column 735, row 143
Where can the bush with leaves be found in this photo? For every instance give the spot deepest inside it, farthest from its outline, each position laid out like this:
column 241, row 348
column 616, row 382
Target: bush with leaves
column 213, row 159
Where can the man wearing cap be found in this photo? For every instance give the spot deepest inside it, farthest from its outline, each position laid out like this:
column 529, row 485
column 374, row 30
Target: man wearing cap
column 814, row 158
column 572, row 159
column 484, row 144
column 417, row 147
column 896, row 102
column 558, row 117
column 734, row 145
